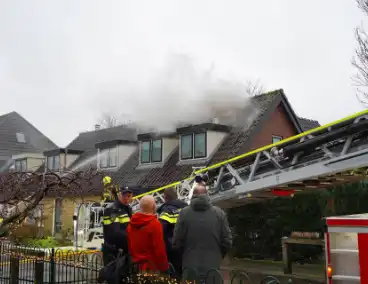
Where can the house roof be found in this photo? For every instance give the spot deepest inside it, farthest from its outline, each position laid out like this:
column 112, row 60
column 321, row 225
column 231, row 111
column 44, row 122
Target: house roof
column 236, row 143
column 308, row 123
column 35, row 141
column 86, row 141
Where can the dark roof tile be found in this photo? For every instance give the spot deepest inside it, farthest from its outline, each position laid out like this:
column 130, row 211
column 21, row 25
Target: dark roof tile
column 308, row 124
column 87, row 140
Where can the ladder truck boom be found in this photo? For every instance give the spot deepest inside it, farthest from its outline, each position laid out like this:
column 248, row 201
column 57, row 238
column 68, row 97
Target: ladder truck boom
column 332, row 154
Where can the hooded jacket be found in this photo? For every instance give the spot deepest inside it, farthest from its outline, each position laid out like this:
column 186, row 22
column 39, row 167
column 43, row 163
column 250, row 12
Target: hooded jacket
column 146, row 242
column 203, row 234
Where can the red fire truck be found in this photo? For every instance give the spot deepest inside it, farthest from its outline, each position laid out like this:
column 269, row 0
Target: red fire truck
column 346, row 244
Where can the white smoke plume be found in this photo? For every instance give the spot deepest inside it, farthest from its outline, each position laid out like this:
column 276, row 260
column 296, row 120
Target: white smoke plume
column 181, row 94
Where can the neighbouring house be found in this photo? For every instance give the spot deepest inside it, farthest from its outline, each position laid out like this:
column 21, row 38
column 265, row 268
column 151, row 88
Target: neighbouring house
column 105, row 149
column 150, row 160
column 21, row 145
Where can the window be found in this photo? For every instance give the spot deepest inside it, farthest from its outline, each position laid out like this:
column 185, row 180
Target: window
column 156, row 154
column 20, row 137
column 21, row 165
column 53, row 163
column 193, row 146
column 109, row 158
column 200, row 145
column 186, row 147
column 151, row 151
column 58, row 217
column 145, row 151
column 276, row 139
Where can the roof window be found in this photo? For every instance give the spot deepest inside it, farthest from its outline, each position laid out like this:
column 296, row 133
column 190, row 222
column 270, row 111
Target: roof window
column 20, row 137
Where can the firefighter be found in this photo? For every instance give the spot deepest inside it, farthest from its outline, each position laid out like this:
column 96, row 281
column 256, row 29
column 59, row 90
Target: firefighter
column 116, row 218
column 168, row 214
column 109, row 193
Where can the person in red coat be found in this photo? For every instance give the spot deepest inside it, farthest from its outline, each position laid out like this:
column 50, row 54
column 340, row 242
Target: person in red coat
column 145, row 238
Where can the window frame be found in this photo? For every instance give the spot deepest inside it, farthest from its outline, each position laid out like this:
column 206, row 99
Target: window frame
column 107, row 152
column 141, row 151
column 150, row 152
column 52, row 160
column 21, row 137
column 276, row 137
column 193, row 147
column 205, row 145
column 58, row 221
column 181, row 147
column 19, row 168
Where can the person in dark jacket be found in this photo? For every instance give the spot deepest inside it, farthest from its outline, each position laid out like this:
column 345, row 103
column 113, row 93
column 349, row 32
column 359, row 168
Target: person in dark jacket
column 168, row 215
column 116, row 218
column 145, row 238
column 203, row 234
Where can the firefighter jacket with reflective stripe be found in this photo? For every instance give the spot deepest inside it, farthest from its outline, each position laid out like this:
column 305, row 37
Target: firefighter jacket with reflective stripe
column 115, row 221
column 168, row 214
column 110, row 193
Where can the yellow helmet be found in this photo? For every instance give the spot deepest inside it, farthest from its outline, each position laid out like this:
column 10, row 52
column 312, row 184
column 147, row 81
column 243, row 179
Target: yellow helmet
column 106, row 180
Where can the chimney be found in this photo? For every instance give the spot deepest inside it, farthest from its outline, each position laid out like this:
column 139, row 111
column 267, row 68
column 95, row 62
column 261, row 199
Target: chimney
column 97, row 127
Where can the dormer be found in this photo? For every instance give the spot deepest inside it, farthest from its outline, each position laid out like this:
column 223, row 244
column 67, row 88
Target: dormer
column 27, row 162
column 59, row 159
column 199, row 142
column 112, row 154
column 154, row 149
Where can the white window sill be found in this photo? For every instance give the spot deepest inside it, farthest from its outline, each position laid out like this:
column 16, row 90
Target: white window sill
column 108, row 168
column 150, row 165
column 193, row 161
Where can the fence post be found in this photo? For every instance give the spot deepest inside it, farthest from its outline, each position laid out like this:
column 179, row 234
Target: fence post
column 14, row 269
column 39, row 270
column 52, row 273
column 286, row 255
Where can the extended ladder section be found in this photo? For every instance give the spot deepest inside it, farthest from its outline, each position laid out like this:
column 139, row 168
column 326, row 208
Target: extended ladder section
column 329, row 155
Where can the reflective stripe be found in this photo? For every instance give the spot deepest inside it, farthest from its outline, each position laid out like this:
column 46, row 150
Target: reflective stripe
column 122, row 219
column 171, row 218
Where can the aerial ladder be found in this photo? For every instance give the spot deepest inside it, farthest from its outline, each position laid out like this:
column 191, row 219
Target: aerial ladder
column 329, row 155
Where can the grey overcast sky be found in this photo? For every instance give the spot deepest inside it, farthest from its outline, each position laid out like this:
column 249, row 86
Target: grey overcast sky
column 62, row 63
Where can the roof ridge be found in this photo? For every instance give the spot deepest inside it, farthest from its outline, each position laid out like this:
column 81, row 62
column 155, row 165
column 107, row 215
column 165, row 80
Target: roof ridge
column 104, row 129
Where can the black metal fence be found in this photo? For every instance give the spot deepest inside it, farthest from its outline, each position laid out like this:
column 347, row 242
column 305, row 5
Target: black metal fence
column 26, row 264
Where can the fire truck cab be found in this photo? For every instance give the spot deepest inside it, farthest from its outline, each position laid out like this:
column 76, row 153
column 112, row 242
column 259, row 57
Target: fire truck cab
column 346, row 246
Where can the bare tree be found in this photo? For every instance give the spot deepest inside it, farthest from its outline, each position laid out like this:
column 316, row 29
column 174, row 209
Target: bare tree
column 254, row 88
column 360, row 60
column 108, row 120
column 21, row 193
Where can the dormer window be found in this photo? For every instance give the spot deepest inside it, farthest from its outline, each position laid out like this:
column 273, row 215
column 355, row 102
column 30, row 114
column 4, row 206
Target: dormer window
column 151, row 151
column 109, row 158
column 53, row 163
column 193, row 146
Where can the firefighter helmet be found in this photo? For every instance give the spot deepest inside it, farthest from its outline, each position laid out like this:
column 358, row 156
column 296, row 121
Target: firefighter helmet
column 106, row 180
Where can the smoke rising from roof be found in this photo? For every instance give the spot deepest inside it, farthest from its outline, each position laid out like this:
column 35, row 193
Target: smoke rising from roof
column 180, row 94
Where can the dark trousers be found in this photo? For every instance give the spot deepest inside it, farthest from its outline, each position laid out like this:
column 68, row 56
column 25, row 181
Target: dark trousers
column 109, row 253
column 175, row 259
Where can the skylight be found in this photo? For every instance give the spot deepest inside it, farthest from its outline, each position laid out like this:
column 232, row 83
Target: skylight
column 20, row 137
